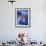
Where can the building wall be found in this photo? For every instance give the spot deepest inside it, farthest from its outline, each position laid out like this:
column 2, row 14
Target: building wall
column 8, row 31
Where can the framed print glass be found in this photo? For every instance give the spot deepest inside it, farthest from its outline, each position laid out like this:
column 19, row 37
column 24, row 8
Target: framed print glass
column 22, row 17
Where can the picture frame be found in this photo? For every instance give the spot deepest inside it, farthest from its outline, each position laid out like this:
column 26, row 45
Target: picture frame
column 22, row 17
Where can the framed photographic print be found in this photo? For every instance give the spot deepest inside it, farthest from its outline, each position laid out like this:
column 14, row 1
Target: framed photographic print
column 22, row 17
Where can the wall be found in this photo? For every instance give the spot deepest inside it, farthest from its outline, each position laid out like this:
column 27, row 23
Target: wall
column 8, row 31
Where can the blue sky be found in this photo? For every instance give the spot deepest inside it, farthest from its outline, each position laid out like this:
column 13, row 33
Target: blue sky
column 24, row 12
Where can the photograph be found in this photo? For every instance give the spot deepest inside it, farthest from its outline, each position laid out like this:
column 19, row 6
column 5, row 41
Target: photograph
column 22, row 17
